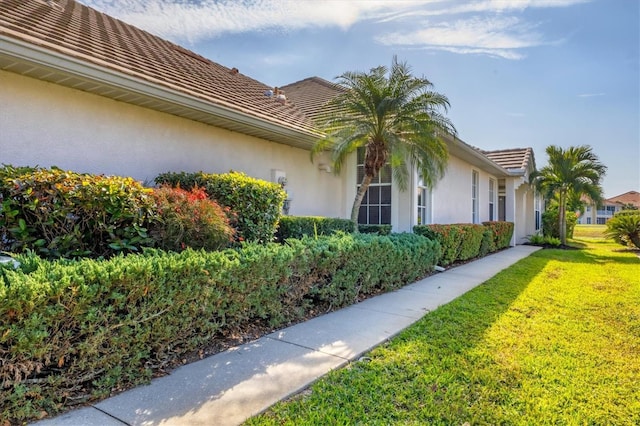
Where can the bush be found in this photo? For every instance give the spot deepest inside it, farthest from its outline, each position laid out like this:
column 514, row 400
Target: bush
column 60, row 213
column 458, row 241
column 73, row 331
column 540, row 240
column 502, row 231
column 551, row 225
column 375, row 229
column 488, row 244
column 189, row 219
column 300, row 226
column 624, row 228
column 256, row 203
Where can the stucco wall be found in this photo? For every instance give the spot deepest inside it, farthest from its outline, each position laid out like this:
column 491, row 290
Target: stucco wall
column 452, row 194
column 45, row 124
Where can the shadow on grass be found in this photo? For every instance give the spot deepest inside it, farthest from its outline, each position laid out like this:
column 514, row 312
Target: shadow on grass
column 470, row 315
column 582, row 255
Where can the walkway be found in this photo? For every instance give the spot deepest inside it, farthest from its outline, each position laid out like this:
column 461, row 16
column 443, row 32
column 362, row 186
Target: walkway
column 230, row 387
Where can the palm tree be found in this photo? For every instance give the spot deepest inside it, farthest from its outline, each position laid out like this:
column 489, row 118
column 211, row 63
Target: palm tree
column 570, row 173
column 395, row 117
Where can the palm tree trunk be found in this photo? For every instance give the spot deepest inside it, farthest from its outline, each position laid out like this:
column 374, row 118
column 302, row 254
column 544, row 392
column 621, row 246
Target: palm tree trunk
column 562, row 218
column 355, row 210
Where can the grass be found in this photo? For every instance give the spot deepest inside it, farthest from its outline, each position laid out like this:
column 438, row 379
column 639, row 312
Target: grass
column 589, row 231
column 554, row 339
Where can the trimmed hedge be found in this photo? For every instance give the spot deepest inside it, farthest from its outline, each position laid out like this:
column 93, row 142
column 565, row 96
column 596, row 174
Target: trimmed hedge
column 502, row 232
column 300, row 226
column 256, row 203
column 61, row 213
column 72, row 332
column 460, row 242
column 375, row 229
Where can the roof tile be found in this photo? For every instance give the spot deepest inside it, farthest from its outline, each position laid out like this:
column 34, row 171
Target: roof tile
column 517, row 158
column 84, row 33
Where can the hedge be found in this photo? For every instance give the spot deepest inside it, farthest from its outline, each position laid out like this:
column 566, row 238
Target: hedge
column 300, row 226
column 502, row 231
column 375, row 229
column 72, row 332
column 460, row 242
column 256, row 203
column 60, row 213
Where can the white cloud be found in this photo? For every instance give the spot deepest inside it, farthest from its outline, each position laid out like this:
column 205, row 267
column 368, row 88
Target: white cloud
column 498, row 36
column 487, row 27
column 196, row 20
column 590, row 95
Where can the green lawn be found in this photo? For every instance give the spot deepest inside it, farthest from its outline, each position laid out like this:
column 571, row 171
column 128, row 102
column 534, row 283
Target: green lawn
column 554, row 339
column 589, row 231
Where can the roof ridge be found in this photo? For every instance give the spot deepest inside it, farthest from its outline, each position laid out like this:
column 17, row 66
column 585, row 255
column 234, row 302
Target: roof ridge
column 316, row 79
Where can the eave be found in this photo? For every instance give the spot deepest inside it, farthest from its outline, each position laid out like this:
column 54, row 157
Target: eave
column 57, row 67
column 472, row 156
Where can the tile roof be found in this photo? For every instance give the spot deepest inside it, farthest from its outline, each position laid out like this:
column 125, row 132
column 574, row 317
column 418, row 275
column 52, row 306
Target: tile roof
column 80, row 32
column 312, row 94
column 517, row 158
column 631, row 197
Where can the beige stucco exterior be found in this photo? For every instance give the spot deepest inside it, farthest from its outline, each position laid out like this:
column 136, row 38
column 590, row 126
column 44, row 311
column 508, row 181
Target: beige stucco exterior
column 452, row 200
column 46, row 124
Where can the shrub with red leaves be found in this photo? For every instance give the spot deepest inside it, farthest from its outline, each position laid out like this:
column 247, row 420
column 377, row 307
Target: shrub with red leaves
column 190, row 219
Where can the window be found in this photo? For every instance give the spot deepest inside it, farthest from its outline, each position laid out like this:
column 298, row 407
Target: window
column 474, row 197
column 376, row 204
column 601, row 220
column 492, row 200
column 423, row 193
column 588, row 221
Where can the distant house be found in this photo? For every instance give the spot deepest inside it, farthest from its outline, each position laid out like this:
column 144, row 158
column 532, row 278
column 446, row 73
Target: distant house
column 87, row 92
column 594, row 215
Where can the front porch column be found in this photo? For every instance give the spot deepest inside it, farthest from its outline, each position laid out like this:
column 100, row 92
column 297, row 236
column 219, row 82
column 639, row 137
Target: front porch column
column 510, row 207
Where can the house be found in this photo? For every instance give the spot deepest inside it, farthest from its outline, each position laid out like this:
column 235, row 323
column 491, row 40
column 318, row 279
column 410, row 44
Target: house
column 594, row 215
column 84, row 91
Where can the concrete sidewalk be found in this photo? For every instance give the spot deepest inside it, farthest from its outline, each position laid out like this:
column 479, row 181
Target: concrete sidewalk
column 230, row 387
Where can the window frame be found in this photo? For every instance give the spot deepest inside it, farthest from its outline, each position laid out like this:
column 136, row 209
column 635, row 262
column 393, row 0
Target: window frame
column 380, row 183
column 492, row 199
column 475, row 182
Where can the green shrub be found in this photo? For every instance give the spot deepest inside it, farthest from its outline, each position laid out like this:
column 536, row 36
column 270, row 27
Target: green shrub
column 72, row 331
column 552, row 241
column 540, row 240
column 536, row 239
column 375, row 229
column 502, row 231
column 551, row 225
column 256, row 203
column 61, row 213
column 624, row 228
column 300, row 226
column 189, row 219
column 488, row 244
column 458, row 241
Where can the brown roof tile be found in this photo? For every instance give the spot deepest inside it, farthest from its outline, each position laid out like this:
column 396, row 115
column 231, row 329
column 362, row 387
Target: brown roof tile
column 86, row 34
column 518, row 158
column 631, row 197
column 312, row 95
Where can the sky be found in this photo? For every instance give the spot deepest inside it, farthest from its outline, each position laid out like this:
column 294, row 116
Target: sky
column 517, row 73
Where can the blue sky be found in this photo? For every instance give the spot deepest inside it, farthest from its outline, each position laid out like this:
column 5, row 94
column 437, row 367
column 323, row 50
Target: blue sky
column 518, row 73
